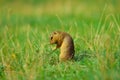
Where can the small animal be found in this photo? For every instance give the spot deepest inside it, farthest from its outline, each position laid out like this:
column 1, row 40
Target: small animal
column 65, row 42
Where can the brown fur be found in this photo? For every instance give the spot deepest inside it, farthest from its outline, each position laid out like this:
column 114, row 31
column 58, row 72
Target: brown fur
column 65, row 42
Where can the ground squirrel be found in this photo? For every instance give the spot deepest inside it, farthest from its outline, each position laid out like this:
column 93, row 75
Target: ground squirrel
column 65, row 42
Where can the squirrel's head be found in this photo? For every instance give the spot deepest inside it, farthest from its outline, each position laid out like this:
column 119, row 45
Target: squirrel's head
column 54, row 37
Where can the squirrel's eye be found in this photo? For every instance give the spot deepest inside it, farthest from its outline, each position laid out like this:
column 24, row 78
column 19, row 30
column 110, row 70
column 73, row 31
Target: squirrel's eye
column 51, row 38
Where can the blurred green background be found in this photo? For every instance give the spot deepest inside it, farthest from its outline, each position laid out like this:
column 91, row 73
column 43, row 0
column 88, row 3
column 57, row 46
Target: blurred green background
column 36, row 12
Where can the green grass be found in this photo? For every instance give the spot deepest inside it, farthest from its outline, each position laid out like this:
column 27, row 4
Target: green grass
column 25, row 52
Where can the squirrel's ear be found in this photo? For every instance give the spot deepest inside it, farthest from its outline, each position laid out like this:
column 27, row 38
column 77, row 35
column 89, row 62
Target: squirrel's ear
column 55, row 32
